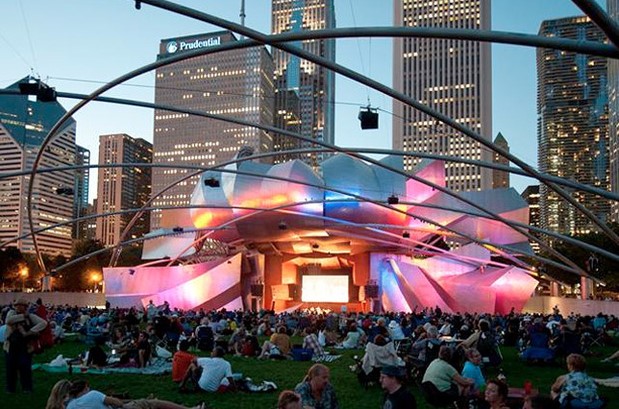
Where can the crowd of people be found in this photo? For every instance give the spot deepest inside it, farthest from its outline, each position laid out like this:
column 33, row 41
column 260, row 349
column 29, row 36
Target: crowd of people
column 447, row 354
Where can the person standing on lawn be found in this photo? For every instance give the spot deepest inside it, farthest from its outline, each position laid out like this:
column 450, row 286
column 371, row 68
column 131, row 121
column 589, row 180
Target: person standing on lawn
column 22, row 329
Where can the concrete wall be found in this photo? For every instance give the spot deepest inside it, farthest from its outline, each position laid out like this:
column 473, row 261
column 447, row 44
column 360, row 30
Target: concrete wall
column 545, row 305
column 57, row 298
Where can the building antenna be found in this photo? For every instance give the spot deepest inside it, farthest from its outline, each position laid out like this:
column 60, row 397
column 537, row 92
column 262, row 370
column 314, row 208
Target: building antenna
column 242, row 15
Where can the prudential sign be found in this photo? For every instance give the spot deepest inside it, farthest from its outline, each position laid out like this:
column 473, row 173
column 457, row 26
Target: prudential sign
column 176, row 46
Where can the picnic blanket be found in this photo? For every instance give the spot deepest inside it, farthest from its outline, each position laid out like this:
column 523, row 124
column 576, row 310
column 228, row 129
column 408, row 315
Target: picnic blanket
column 326, row 358
column 610, row 382
column 158, row 366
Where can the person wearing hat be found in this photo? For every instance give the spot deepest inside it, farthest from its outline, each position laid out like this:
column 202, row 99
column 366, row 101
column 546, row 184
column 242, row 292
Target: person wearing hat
column 396, row 395
column 21, row 327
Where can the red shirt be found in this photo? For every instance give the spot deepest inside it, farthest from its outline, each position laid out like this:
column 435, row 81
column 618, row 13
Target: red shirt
column 180, row 363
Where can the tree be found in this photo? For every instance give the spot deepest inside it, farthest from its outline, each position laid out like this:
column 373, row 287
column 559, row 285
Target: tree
column 606, row 270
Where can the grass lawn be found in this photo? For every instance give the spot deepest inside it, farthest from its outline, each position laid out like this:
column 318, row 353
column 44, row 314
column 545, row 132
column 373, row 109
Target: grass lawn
column 286, row 374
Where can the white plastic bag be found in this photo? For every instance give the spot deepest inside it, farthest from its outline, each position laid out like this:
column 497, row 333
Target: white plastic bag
column 163, row 353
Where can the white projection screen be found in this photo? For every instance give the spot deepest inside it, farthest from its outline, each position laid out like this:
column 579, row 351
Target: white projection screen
column 324, row 288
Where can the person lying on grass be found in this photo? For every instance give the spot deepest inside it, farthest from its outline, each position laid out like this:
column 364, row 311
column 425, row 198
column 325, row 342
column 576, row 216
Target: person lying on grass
column 78, row 395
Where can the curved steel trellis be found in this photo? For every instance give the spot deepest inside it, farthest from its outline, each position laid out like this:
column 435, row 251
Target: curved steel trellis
column 278, row 208
column 201, row 169
column 265, row 39
column 108, row 86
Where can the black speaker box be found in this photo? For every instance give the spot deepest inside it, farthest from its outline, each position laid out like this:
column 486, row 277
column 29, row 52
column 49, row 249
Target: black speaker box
column 371, row 291
column 257, row 290
column 369, row 119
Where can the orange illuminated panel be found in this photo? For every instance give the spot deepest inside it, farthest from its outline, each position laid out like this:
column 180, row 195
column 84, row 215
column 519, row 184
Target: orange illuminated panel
column 324, row 288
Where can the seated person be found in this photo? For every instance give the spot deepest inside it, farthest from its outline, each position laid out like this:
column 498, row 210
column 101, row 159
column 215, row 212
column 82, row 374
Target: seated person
column 278, row 346
column 538, row 346
column 496, row 395
column 57, row 332
column 138, row 352
column 576, row 389
column 144, row 350
column 209, row 374
column 315, row 390
column 472, row 370
column 250, row 346
column 289, row 400
column 395, row 331
column 97, row 357
column 353, row 338
column 181, row 361
column 425, row 345
column 204, row 336
column 311, row 342
column 378, row 354
column 450, row 385
column 235, row 343
column 396, row 396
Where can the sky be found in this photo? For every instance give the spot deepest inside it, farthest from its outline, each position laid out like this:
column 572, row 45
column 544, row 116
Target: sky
column 77, row 46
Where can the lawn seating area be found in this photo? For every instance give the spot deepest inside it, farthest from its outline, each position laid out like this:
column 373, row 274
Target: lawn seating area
column 286, row 374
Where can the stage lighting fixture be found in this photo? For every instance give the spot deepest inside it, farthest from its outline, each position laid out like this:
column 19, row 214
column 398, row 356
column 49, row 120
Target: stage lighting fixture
column 393, row 200
column 28, row 88
column 368, row 118
column 211, row 182
column 43, row 92
column 315, row 246
column 46, row 94
column 177, row 229
column 406, row 235
column 131, row 271
column 64, row 191
column 282, row 226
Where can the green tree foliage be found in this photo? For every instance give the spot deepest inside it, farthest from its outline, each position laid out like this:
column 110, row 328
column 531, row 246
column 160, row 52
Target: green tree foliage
column 607, row 270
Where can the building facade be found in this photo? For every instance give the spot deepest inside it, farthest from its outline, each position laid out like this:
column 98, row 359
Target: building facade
column 453, row 77
column 305, row 92
column 572, row 129
column 81, row 189
column 236, row 84
column 122, row 188
column 531, row 196
column 24, row 124
column 500, row 179
column 613, row 118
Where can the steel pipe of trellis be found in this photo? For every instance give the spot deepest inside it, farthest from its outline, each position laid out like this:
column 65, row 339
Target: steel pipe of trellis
column 593, row 48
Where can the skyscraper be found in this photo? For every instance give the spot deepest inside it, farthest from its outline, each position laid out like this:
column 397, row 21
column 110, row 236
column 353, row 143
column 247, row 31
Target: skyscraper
column 235, row 83
column 572, row 131
column 24, row 123
column 81, row 188
column 451, row 76
column 531, row 196
column 122, row 188
column 305, row 92
column 500, row 179
column 613, row 121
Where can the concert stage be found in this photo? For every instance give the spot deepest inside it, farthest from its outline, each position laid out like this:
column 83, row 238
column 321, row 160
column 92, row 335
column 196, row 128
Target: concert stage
column 354, row 234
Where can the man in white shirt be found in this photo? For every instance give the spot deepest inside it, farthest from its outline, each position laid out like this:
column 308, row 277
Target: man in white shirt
column 210, row 374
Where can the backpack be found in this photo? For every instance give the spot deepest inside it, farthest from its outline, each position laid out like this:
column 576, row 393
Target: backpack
column 488, row 348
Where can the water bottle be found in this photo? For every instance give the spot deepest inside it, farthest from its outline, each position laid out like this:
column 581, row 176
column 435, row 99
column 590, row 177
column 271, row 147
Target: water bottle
column 501, row 376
